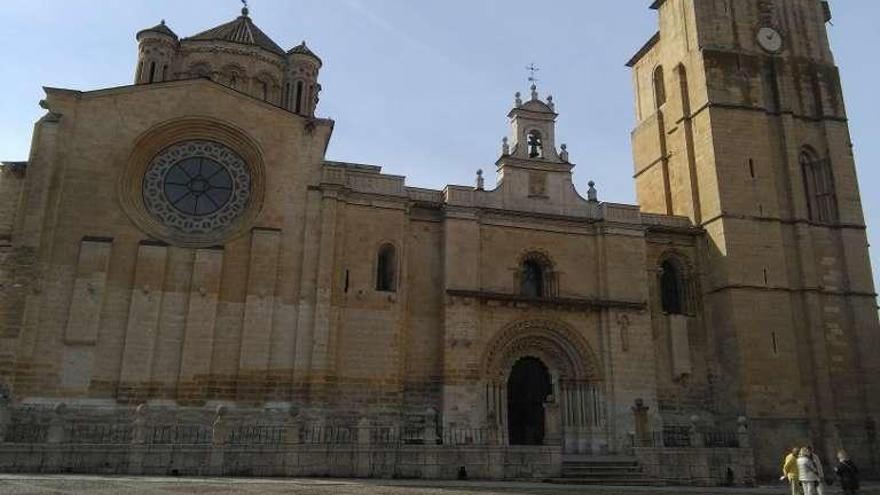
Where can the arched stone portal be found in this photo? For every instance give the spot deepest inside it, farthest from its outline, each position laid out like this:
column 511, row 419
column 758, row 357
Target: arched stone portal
column 547, row 365
column 528, row 387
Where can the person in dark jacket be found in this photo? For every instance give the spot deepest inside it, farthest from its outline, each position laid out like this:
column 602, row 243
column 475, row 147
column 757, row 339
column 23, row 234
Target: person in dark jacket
column 847, row 473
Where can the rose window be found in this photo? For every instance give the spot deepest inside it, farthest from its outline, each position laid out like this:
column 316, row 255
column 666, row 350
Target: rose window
column 197, row 187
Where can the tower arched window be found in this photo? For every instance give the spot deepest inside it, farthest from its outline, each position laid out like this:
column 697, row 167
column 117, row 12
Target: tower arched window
column 818, row 187
column 673, row 288
column 299, row 96
column 536, row 277
column 659, row 87
column 264, row 90
column 386, row 269
column 152, row 72
column 535, row 144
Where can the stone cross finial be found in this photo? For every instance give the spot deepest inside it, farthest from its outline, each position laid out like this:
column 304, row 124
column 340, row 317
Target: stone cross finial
column 480, row 180
column 592, row 194
column 505, row 146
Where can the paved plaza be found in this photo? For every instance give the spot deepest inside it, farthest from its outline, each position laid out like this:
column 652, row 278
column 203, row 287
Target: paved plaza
column 99, row 485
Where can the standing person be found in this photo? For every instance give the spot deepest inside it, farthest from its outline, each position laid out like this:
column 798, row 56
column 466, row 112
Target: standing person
column 820, row 488
column 808, row 473
column 847, row 473
column 790, row 472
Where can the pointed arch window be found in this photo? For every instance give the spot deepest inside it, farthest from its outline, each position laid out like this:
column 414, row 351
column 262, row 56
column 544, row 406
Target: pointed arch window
column 659, row 87
column 818, row 187
column 386, row 269
column 674, row 287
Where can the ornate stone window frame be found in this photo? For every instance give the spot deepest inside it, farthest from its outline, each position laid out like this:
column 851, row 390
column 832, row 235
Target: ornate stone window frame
column 160, row 137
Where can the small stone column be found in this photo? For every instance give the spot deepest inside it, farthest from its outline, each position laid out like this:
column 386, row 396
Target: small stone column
column 430, row 434
column 219, row 435
column 55, row 434
column 55, row 437
column 363, row 454
column 697, row 439
column 553, row 429
column 138, row 441
column 5, row 411
column 292, row 429
column 742, row 432
column 640, row 423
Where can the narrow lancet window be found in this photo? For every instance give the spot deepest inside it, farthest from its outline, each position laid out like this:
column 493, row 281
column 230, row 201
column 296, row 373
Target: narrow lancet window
column 659, row 87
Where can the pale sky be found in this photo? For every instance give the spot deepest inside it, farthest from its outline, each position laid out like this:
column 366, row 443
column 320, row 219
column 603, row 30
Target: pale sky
column 421, row 87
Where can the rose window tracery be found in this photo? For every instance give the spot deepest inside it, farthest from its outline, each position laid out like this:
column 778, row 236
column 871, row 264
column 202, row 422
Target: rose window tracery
column 197, row 187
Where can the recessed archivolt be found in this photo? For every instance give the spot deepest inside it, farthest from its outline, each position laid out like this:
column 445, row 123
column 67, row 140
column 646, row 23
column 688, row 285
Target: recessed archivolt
column 539, row 255
column 555, row 343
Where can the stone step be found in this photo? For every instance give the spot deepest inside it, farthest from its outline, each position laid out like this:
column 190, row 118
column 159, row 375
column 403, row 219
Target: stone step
column 598, row 459
column 599, row 471
column 610, row 465
column 604, row 481
column 603, row 470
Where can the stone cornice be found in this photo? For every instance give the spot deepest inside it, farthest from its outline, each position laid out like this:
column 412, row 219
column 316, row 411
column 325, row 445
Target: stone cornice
column 559, row 303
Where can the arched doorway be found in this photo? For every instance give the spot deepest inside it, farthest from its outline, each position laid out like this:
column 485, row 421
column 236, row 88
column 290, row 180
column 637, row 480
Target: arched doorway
column 528, row 386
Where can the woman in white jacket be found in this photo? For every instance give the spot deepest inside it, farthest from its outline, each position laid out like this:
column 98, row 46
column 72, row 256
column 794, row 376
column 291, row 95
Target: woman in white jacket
column 808, row 473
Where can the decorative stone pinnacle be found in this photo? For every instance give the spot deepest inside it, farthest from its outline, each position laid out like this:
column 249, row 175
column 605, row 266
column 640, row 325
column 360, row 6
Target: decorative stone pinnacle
column 480, row 181
column 550, row 102
column 592, row 194
column 534, row 92
column 518, row 99
column 505, row 146
column 563, row 155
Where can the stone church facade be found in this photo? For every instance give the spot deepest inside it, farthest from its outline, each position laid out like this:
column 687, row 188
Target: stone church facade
column 182, row 268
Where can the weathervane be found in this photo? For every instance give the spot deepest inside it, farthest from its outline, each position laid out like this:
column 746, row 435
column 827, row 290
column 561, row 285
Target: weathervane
column 244, row 10
column 532, row 68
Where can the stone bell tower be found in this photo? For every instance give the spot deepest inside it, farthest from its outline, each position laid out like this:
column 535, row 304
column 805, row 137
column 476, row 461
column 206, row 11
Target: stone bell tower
column 742, row 127
column 530, row 165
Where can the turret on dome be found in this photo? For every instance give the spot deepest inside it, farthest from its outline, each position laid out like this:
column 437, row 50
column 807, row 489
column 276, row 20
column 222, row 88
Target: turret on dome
column 160, row 29
column 302, row 49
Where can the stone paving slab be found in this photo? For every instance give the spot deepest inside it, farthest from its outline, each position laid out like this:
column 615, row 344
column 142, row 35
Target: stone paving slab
column 101, row 485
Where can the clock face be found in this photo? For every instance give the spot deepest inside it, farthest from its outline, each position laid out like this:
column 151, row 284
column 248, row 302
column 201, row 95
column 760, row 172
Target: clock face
column 769, row 39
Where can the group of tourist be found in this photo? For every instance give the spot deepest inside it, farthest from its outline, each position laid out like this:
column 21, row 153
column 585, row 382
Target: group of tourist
column 803, row 469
